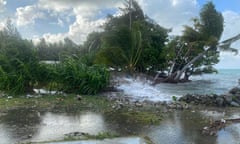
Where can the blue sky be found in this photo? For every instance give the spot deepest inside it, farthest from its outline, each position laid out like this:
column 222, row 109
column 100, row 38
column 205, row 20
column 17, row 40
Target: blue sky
column 223, row 5
column 56, row 19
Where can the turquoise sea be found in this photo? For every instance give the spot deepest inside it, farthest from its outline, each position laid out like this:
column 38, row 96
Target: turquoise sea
column 219, row 83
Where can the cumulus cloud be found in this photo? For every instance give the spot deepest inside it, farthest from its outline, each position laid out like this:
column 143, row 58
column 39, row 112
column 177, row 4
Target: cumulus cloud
column 79, row 30
column 1, row 26
column 86, row 16
column 232, row 22
column 2, row 5
column 171, row 13
column 27, row 15
column 62, row 5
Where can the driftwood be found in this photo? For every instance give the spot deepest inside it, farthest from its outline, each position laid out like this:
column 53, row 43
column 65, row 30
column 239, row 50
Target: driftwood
column 218, row 125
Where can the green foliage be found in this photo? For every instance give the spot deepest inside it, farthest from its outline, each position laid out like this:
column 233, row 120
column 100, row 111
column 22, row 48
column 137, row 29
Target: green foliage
column 174, row 98
column 77, row 77
column 56, row 51
column 197, row 47
column 132, row 41
column 212, row 21
column 21, row 70
column 18, row 62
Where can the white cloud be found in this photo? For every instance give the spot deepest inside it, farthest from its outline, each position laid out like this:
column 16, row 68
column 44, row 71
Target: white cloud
column 171, row 13
column 232, row 23
column 54, row 37
column 62, row 5
column 27, row 15
column 1, row 26
column 85, row 13
column 2, row 5
column 79, row 30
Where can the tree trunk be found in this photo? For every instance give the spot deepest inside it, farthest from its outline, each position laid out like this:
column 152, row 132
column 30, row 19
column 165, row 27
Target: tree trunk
column 176, row 76
column 188, row 64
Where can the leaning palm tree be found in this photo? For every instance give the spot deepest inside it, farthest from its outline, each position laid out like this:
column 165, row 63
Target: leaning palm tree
column 222, row 46
column 203, row 44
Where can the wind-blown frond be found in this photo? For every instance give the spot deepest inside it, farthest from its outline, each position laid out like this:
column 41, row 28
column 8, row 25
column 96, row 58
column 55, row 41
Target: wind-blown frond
column 226, row 44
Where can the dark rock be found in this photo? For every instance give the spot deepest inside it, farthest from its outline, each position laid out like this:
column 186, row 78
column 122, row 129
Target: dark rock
column 228, row 98
column 236, row 100
column 79, row 98
column 235, row 90
column 29, row 136
column 111, row 89
column 220, row 101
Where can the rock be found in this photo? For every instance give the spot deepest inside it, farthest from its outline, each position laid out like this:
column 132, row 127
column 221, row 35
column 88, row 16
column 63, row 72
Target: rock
column 9, row 97
column 29, row 96
column 234, row 104
column 237, row 100
column 138, row 105
column 219, row 101
column 79, row 98
column 77, row 135
column 118, row 105
column 235, row 90
column 228, row 98
column 30, row 136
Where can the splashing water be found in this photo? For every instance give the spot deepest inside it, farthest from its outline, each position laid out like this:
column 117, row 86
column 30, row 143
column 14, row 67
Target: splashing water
column 141, row 89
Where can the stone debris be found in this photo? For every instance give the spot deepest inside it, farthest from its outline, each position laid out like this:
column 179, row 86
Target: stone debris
column 232, row 99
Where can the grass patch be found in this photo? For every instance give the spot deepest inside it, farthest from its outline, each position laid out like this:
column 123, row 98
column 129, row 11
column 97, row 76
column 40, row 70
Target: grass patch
column 136, row 117
column 57, row 102
column 86, row 136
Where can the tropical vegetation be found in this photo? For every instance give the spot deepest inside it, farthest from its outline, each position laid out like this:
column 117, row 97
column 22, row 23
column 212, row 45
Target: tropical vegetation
column 132, row 42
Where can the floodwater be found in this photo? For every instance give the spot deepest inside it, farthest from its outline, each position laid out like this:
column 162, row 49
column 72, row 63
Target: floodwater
column 179, row 127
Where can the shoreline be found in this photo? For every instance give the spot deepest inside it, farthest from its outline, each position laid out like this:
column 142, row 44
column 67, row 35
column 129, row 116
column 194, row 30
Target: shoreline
column 141, row 112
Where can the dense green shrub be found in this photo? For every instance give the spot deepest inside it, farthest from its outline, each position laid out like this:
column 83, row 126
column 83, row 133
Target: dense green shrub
column 18, row 64
column 77, row 77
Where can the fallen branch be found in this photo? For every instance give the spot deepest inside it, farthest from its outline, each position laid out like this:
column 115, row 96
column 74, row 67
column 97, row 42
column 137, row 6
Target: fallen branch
column 218, row 125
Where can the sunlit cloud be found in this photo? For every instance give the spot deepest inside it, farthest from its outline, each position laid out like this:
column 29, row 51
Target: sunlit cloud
column 2, row 5
column 28, row 15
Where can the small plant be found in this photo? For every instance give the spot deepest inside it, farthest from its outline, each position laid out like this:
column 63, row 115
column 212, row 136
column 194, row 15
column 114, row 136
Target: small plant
column 174, row 98
column 105, row 135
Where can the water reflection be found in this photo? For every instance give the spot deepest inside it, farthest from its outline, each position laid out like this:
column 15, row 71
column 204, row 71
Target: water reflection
column 180, row 127
column 54, row 126
column 29, row 125
column 19, row 124
column 5, row 136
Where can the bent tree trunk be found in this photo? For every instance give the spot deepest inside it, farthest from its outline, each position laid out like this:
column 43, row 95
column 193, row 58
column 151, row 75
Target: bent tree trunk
column 176, row 76
column 179, row 74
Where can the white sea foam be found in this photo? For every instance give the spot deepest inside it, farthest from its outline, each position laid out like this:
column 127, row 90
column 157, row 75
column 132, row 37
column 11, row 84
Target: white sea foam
column 141, row 89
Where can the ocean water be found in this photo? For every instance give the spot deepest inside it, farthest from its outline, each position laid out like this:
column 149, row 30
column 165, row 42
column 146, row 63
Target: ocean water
column 141, row 89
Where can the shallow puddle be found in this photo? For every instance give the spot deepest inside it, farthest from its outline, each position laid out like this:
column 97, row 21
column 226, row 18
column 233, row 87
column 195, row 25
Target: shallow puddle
column 180, row 127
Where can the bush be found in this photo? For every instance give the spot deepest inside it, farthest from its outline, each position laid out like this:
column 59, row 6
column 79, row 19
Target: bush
column 18, row 64
column 77, row 77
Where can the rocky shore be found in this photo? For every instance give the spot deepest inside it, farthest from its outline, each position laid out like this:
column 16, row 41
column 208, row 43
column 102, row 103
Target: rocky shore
column 232, row 99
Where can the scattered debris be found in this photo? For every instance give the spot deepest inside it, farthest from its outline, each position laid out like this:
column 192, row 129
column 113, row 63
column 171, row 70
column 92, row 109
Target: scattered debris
column 218, row 125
